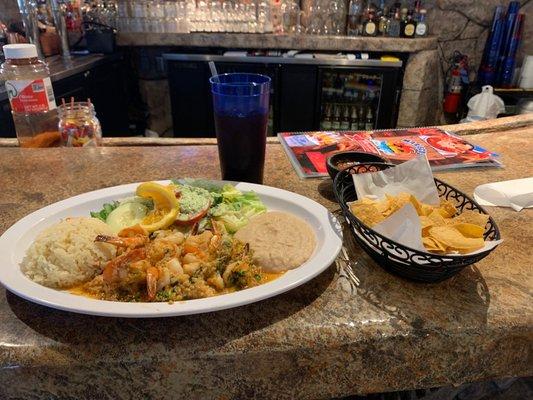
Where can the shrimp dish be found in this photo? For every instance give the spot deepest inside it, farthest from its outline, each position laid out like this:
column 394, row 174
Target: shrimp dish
column 168, row 243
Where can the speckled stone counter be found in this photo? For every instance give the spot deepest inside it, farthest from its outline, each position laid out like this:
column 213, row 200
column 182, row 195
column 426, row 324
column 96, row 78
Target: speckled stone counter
column 271, row 41
column 354, row 329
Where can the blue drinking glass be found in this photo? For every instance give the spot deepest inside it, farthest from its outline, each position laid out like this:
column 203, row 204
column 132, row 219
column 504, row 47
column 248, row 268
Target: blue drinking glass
column 241, row 105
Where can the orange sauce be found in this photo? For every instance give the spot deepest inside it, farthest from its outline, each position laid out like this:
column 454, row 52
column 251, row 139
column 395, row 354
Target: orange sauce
column 81, row 291
column 270, row 276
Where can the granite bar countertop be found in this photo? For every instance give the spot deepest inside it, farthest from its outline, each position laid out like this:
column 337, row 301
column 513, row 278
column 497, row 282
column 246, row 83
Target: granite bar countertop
column 470, row 128
column 353, row 329
column 281, row 41
column 61, row 69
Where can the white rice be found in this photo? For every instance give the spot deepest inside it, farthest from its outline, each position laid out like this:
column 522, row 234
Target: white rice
column 65, row 254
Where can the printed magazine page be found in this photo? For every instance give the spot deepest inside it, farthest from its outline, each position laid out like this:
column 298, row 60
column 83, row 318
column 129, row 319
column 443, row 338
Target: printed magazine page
column 308, row 151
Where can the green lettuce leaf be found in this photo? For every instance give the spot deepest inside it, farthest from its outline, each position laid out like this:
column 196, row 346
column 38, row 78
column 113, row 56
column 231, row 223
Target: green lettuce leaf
column 105, row 211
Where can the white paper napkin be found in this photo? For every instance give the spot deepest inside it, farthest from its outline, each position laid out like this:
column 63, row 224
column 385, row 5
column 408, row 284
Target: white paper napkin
column 413, row 176
column 517, row 194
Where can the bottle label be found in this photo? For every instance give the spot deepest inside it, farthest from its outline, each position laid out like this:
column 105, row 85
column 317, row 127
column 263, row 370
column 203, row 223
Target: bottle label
column 420, row 29
column 31, row 96
column 409, row 30
column 370, row 28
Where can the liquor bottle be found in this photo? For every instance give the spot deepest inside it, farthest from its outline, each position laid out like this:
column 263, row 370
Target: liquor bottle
column 394, row 24
column 403, row 19
column 383, row 25
column 418, row 6
column 354, row 119
column 361, row 122
column 409, row 27
column 325, row 124
column 370, row 27
column 345, row 120
column 336, row 121
column 369, row 121
column 338, row 88
column 355, row 14
column 421, row 26
column 381, row 7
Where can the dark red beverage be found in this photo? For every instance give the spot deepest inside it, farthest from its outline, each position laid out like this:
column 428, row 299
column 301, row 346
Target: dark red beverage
column 241, row 146
column 240, row 105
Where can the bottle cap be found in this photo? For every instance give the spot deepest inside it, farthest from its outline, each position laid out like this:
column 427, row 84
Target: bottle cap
column 20, row 50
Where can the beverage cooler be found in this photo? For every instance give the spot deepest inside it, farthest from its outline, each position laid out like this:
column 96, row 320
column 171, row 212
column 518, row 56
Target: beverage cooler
column 307, row 94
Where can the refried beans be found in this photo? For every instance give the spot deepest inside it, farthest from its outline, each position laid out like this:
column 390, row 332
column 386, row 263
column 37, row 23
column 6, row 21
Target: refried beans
column 279, row 241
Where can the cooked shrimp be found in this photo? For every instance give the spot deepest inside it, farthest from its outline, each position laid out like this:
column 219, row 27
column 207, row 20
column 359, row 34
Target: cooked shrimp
column 115, row 270
column 191, row 268
column 218, row 231
column 134, row 230
column 127, row 242
column 162, row 249
column 216, row 281
column 152, row 275
column 175, row 237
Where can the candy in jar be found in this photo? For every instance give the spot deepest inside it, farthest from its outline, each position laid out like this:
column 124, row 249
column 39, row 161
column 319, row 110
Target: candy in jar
column 78, row 125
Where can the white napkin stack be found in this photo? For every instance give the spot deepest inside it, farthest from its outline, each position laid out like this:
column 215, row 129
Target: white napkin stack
column 517, row 194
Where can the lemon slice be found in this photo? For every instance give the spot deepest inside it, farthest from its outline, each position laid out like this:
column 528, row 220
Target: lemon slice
column 166, row 206
column 162, row 196
column 159, row 219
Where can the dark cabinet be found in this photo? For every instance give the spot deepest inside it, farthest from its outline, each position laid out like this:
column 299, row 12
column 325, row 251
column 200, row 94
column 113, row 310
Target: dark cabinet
column 7, row 128
column 190, row 96
column 299, row 96
column 106, row 87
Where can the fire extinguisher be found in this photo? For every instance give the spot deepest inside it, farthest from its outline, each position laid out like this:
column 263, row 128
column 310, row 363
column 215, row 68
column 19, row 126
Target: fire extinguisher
column 458, row 77
column 452, row 98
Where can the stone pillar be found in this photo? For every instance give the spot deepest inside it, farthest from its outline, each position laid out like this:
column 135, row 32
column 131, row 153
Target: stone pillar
column 155, row 94
column 421, row 98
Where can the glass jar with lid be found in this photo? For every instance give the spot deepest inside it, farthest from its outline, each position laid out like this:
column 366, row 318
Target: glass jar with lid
column 78, row 125
column 31, row 96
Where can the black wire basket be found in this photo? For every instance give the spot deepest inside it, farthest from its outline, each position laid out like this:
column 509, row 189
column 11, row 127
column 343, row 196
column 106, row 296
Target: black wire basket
column 399, row 259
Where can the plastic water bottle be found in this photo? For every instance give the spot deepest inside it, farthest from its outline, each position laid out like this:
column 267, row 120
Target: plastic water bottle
column 31, row 96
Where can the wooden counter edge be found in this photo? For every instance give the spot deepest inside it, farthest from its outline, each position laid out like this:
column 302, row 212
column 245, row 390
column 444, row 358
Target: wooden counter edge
column 471, row 128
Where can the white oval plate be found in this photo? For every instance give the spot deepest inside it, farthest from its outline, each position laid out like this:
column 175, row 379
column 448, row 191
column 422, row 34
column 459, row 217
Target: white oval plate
column 16, row 240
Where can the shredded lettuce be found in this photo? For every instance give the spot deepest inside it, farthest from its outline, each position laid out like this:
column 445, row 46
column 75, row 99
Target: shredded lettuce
column 107, row 208
column 229, row 205
column 105, row 211
column 236, row 208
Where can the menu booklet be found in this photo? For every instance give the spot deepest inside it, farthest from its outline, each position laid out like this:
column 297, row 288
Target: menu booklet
column 308, row 150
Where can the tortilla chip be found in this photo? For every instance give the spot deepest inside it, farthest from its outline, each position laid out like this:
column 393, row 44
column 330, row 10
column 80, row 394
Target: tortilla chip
column 470, row 230
column 425, row 209
column 454, row 240
column 367, row 213
column 472, row 217
column 447, row 209
column 432, row 244
column 441, row 232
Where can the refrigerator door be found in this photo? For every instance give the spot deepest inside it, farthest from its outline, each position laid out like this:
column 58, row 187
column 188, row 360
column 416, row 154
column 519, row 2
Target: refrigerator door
column 356, row 98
